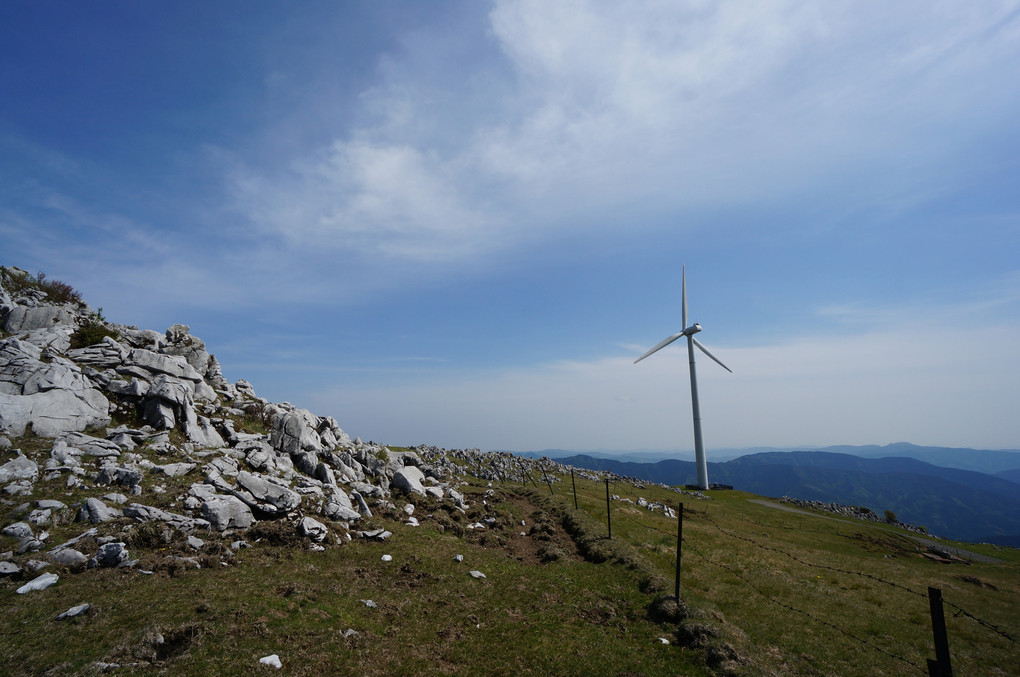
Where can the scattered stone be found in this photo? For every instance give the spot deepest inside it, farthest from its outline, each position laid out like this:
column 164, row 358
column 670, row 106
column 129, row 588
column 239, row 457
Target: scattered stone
column 367, row 602
column 195, row 542
column 41, row 583
column 18, row 468
column 387, row 558
column 458, row 558
column 68, row 557
column 271, row 660
column 95, row 511
column 35, row 566
column 313, row 529
column 9, row 569
column 351, row 632
column 109, row 555
column 74, row 611
column 476, row 574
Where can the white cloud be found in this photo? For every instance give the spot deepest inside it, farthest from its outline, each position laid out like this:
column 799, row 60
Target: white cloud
column 380, row 199
column 666, row 105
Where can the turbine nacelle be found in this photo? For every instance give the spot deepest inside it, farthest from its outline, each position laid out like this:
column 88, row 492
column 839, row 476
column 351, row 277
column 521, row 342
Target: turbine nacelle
column 692, row 330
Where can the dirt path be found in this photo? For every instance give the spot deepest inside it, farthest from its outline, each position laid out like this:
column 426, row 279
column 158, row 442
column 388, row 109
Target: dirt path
column 959, row 552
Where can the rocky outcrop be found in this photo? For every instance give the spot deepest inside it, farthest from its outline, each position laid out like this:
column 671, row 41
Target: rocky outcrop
column 199, row 457
column 53, row 397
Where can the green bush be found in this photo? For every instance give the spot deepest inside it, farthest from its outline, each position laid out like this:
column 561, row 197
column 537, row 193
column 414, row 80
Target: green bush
column 91, row 331
column 56, row 291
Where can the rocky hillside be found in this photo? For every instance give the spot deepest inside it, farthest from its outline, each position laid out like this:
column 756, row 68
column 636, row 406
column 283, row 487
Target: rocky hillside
column 146, row 424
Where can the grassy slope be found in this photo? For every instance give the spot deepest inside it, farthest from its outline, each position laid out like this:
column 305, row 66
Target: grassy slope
column 567, row 616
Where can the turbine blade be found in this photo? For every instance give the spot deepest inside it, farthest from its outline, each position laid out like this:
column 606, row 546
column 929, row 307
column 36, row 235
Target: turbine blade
column 705, row 350
column 662, row 344
column 685, row 296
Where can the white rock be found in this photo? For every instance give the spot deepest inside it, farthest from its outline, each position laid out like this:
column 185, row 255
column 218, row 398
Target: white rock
column 40, row 583
column 74, row 611
column 476, row 574
column 387, row 558
column 408, row 479
column 313, row 529
column 271, row 660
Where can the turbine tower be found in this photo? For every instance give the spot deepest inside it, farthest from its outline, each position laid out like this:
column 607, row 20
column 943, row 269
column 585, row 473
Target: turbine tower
column 689, row 332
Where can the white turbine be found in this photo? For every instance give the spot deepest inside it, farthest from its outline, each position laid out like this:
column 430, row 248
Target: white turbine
column 689, row 332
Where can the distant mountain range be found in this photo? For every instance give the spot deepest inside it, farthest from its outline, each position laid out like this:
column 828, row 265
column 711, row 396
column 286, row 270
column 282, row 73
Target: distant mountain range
column 952, row 502
column 980, row 460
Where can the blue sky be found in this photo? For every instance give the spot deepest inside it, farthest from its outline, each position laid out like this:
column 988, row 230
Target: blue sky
column 459, row 223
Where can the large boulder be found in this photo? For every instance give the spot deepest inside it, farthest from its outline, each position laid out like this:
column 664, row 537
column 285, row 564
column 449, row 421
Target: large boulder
column 171, row 365
column 265, row 495
column 106, row 353
column 54, row 397
column 182, row 344
column 295, row 432
column 95, row 511
column 409, row 480
column 227, row 512
column 23, row 318
column 19, row 468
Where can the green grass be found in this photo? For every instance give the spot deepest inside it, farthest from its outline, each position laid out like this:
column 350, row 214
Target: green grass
column 763, row 593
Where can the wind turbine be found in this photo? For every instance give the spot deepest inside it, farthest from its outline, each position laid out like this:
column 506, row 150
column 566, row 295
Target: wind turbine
column 689, row 332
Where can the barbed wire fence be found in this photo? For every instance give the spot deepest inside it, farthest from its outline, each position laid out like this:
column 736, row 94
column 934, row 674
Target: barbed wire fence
column 935, row 667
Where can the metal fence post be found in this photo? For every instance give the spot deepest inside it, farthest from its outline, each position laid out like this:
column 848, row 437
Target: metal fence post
column 679, row 539
column 609, row 519
column 941, row 666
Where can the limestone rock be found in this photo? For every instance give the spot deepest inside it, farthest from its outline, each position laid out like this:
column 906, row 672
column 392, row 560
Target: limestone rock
column 266, row 495
column 170, row 365
column 18, row 468
column 74, row 611
column 106, row 353
column 339, row 506
column 91, row 446
column 22, row 319
column 175, row 469
column 95, row 511
column 54, row 397
column 313, row 529
column 40, row 583
column 227, row 512
column 295, row 432
column 126, row 476
column 408, row 479
column 109, row 555
column 145, row 513
column 68, row 557
column 272, row 660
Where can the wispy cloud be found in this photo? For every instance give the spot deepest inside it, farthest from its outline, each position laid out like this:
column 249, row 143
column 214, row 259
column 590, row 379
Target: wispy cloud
column 610, row 105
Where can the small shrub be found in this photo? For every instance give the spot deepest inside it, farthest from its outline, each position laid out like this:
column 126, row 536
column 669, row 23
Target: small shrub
column 890, row 516
column 92, row 330
column 56, row 291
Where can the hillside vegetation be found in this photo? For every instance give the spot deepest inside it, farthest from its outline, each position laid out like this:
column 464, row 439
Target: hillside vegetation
column 763, row 592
